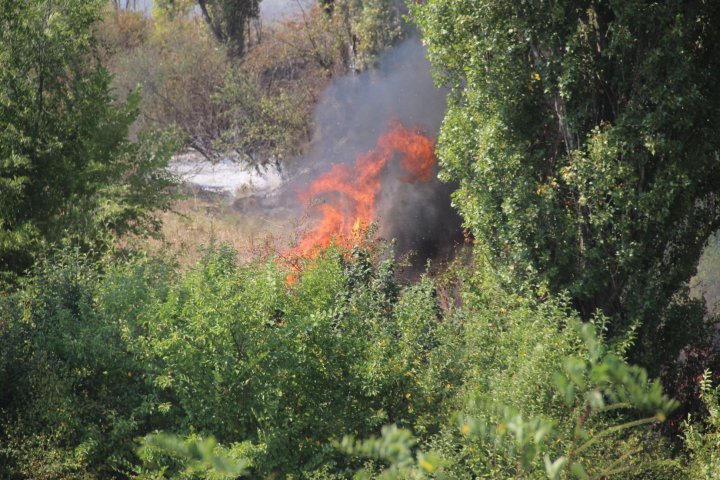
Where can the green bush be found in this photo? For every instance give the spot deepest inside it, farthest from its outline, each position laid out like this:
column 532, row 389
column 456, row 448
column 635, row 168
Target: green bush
column 702, row 438
column 67, row 169
column 279, row 368
column 293, row 366
column 539, row 386
column 74, row 395
column 342, row 349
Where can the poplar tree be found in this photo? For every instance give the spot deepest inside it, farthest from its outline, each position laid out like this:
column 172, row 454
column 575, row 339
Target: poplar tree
column 584, row 137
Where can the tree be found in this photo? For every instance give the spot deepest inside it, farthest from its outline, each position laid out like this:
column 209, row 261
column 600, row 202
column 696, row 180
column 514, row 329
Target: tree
column 584, row 138
column 229, row 21
column 370, row 26
column 67, row 170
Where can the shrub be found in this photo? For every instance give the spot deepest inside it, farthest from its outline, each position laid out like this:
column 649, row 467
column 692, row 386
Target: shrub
column 290, row 367
column 702, row 438
column 67, row 169
column 73, row 395
column 541, row 392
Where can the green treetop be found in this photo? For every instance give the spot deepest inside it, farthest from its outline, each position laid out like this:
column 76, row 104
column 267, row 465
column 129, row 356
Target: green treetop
column 584, row 137
column 67, row 170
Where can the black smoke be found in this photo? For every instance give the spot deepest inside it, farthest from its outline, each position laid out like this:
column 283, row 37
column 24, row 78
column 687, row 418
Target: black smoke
column 352, row 113
column 350, row 117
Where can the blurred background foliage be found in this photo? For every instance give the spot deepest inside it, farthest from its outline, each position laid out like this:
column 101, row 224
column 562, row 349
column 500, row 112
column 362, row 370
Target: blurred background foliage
column 258, row 104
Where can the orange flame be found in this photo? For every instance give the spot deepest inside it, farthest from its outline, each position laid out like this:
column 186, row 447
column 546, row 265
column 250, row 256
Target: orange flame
column 345, row 196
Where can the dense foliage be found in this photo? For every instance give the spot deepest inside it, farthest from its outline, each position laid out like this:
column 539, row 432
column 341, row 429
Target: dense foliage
column 278, row 371
column 67, row 170
column 73, row 396
column 702, row 439
column 583, row 135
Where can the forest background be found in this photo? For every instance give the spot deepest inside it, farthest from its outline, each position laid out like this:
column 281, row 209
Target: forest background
column 572, row 336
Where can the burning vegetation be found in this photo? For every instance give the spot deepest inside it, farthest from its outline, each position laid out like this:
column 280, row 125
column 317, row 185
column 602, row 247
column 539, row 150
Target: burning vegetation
column 344, row 199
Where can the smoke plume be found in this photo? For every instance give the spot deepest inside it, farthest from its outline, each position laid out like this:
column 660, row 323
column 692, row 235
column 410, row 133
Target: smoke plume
column 354, row 113
column 355, row 122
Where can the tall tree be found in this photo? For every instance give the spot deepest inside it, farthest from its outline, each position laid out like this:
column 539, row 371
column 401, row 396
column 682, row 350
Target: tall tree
column 370, row 27
column 229, row 21
column 584, row 136
column 67, row 170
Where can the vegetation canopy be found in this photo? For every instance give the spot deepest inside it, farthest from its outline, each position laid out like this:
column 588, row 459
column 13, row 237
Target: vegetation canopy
column 581, row 137
column 67, row 169
column 584, row 138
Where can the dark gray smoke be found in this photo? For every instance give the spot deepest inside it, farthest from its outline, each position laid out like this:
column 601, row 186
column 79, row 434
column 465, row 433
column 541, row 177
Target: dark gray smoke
column 356, row 109
column 350, row 117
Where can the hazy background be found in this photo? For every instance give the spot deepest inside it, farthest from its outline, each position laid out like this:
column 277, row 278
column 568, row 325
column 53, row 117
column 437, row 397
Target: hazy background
column 270, row 10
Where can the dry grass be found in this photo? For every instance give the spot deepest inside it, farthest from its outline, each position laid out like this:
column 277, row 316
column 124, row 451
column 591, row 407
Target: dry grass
column 199, row 221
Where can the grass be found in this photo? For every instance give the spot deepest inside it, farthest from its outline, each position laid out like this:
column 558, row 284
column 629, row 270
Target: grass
column 200, row 220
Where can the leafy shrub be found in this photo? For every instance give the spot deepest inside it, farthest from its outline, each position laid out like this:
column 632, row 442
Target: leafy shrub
column 291, row 367
column 538, row 384
column 194, row 458
column 73, row 394
column 67, row 169
column 702, row 438
column 97, row 354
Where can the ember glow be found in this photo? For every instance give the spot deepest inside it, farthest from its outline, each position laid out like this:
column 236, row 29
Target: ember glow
column 344, row 199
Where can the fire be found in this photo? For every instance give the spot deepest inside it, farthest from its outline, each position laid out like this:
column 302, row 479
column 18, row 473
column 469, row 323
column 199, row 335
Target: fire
column 345, row 197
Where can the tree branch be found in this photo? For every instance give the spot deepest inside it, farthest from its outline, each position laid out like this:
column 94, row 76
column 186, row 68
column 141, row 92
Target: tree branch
column 213, row 28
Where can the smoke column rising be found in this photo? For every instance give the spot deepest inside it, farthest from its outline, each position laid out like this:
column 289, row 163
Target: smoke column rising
column 352, row 114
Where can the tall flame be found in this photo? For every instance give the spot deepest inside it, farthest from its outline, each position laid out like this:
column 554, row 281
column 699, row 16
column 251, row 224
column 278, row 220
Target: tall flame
column 346, row 196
